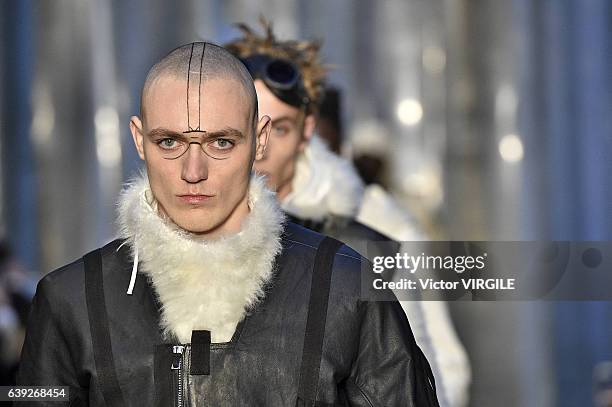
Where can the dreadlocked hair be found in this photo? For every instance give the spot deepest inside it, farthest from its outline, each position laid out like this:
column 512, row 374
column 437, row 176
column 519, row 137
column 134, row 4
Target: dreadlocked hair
column 304, row 54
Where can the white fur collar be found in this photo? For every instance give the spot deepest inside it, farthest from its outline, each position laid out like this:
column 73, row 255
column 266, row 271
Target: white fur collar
column 324, row 184
column 203, row 284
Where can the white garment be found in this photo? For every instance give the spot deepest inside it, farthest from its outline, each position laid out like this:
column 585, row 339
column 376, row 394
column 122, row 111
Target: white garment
column 203, row 284
column 326, row 184
column 396, row 222
column 436, row 336
column 323, row 184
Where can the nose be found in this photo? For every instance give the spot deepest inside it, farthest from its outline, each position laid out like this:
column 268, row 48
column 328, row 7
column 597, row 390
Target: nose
column 195, row 164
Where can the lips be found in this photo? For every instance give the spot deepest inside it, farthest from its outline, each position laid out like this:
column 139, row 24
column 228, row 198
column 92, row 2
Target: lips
column 194, row 199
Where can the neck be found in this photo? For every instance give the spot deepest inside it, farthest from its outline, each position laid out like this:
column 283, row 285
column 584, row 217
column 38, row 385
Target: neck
column 232, row 225
column 283, row 190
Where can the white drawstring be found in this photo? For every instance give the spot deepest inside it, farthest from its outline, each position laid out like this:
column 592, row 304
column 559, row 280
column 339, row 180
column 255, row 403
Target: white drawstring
column 134, row 271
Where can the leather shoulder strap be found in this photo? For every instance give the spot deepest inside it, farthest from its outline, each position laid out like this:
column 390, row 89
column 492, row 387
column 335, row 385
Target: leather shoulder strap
column 100, row 334
column 315, row 322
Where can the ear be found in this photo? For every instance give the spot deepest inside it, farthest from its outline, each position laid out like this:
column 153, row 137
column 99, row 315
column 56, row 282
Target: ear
column 262, row 134
column 310, row 123
column 136, row 129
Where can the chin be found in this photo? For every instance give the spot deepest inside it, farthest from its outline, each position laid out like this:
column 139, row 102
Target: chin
column 188, row 224
column 197, row 227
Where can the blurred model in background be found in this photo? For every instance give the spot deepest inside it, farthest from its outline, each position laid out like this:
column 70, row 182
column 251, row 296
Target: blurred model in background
column 370, row 164
column 17, row 287
column 321, row 190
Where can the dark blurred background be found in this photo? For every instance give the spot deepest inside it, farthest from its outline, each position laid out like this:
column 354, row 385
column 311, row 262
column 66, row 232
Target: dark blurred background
column 487, row 119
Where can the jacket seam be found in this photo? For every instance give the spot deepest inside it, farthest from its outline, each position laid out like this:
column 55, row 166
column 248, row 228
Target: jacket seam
column 314, row 248
column 349, row 256
column 363, row 394
column 300, row 243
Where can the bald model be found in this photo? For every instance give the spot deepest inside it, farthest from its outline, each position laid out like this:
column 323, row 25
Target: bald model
column 199, row 62
column 226, row 303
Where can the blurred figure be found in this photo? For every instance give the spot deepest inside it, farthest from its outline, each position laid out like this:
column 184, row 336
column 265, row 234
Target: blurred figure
column 369, row 168
column 370, row 163
column 320, row 190
column 399, row 224
column 322, row 197
column 16, row 291
column 602, row 384
column 329, row 122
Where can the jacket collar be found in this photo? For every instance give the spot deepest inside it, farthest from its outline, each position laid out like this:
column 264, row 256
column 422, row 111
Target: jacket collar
column 324, row 185
column 202, row 284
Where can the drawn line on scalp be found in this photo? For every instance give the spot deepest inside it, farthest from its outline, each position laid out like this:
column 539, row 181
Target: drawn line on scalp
column 188, row 72
column 200, row 85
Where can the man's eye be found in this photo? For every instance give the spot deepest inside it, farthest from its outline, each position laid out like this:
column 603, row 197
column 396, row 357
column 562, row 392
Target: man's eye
column 222, row 144
column 280, row 130
column 168, row 143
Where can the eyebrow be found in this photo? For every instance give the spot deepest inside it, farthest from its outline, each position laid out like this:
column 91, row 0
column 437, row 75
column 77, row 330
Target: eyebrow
column 160, row 131
column 224, row 132
column 285, row 118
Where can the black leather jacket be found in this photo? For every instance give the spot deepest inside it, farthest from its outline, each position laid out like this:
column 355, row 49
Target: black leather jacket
column 364, row 240
column 343, row 228
column 369, row 357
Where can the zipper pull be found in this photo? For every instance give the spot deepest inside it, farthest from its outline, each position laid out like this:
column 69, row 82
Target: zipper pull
column 177, row 351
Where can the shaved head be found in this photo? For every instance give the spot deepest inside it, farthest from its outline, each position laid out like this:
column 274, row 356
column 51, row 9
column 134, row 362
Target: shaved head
column 199, row 102
column 198, row 63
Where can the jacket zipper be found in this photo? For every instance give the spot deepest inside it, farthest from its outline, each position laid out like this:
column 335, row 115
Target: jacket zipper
column 177, row 366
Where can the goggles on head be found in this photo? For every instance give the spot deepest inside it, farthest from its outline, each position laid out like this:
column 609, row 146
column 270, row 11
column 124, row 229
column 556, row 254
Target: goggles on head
column 281, row 76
